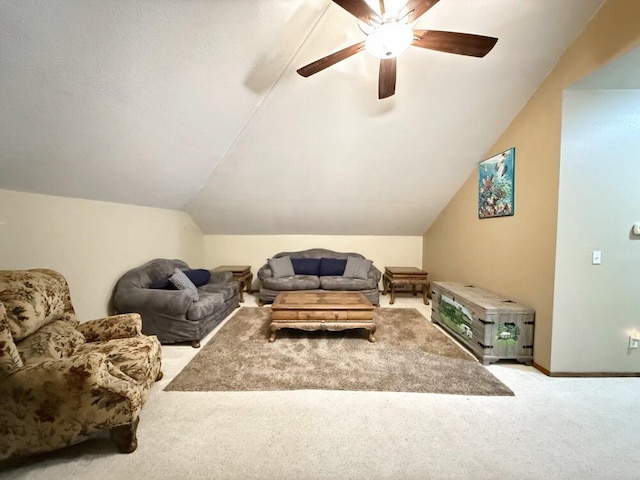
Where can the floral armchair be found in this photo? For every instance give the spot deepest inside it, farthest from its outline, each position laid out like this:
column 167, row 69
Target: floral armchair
column 62, row 381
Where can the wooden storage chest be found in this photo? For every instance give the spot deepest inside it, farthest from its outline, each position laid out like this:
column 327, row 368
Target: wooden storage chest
column 492, row 327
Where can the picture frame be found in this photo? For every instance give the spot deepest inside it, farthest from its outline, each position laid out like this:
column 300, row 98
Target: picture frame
column 496, row 185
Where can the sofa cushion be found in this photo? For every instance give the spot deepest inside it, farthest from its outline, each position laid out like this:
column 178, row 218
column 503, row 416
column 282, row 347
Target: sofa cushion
column 357, row 268
column 54, row 341
column 208, row 303
column 281, row 266
column 228, row 289
column 182, row 282
column 298, row 282
column 306, row 266
column 347, row 284
column 332, row 266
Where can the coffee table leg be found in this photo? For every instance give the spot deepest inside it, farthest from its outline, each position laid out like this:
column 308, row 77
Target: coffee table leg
column 372, row 330
column 272, row 338
column 393, row 293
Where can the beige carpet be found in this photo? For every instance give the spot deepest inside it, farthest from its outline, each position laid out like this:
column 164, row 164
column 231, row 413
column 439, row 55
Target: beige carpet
column 410, row 355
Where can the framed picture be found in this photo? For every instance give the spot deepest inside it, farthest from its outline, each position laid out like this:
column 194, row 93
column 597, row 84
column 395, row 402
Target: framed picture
column 496, row 185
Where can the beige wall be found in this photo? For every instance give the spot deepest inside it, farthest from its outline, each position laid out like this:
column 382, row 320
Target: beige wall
column 515, row 256
column 254, row 250
column 91, row 243
column 596, row 306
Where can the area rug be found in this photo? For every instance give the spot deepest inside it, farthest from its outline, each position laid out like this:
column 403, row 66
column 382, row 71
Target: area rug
column 410, row 355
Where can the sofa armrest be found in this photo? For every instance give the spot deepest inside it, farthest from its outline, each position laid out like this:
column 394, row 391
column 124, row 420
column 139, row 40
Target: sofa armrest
column 125, row 325
column 169, row 302
column 265, row 272
column 220, row 277
column 375, row 273
column 57, row 402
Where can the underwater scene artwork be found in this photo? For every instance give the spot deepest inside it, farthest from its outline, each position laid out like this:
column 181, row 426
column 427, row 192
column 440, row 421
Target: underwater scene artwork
column 496, row 185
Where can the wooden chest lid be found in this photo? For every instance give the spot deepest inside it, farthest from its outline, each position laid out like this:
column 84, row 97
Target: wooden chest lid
column 490, row 302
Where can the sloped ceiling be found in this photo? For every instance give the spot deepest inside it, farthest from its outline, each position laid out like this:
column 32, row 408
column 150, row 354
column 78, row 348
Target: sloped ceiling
column 196, row 105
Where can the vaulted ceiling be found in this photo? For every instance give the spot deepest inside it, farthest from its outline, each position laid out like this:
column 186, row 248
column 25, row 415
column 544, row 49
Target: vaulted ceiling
column 196, row 105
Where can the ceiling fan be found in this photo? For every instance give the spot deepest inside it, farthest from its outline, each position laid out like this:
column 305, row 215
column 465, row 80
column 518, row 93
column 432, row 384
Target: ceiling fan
column 390, row 34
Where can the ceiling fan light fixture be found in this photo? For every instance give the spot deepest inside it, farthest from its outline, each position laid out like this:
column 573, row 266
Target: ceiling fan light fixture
column 389, row 39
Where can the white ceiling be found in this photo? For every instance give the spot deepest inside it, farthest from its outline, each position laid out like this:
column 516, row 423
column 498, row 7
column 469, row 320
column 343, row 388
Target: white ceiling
column 196, row 105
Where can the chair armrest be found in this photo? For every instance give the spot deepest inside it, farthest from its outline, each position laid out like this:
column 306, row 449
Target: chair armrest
column 75, row 375
column 125, row 325
column 59, row 401
column 220, row 277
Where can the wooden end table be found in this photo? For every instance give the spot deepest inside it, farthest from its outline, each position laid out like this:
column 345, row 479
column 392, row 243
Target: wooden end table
column 241, row 274
column 404, row 276
column 321, row 310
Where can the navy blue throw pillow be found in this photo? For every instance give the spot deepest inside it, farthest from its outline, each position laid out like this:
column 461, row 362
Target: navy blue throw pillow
column 306, row 266
column 163, row 284
column 198, row 276
column 332, row 266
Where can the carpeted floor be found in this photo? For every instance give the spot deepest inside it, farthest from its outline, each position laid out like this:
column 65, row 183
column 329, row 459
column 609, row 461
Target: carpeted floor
column 410, row 355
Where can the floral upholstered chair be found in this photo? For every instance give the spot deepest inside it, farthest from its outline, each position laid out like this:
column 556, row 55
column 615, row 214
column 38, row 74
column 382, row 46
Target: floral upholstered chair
column 62, row 381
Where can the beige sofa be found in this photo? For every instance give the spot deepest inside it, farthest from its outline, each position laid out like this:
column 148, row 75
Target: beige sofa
column 62, row 381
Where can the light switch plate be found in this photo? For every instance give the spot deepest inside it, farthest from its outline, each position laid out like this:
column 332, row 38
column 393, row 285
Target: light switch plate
column 596, row 257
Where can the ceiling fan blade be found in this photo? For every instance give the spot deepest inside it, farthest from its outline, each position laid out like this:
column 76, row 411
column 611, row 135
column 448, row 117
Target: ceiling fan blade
column 454, row 42
column 382, row 9
column 387, row 78
column 359, row 9
column 419, row 7
column 329, row 60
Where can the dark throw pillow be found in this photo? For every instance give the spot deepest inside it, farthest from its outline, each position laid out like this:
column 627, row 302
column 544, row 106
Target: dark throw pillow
column 163, row 284
column 306, row 266
column 198, row 276
column 333, row 267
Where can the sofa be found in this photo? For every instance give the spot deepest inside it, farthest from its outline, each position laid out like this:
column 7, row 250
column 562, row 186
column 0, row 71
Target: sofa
column 185, row 312
column 62, row 381
column 318, row 269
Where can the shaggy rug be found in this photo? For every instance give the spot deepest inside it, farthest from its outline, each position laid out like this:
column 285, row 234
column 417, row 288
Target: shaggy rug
column 410, row 355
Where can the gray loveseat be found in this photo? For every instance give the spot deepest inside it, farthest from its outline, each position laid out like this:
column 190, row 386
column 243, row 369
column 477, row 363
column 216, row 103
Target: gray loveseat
column 173, row 315
column 358, row 275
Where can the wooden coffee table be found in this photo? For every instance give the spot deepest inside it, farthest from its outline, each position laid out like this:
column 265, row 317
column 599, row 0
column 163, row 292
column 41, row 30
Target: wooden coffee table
column 321, row 310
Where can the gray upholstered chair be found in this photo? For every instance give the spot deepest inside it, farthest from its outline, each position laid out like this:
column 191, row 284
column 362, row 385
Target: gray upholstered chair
column 173, row 315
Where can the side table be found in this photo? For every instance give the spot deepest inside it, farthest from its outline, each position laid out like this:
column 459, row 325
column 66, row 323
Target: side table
column 241, row 274
column 403, row 276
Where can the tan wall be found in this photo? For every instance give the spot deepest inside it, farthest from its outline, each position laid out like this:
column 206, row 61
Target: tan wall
column 515, row 256
column 254, row 250
column 91, row 243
